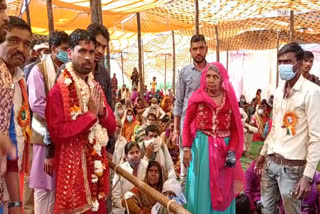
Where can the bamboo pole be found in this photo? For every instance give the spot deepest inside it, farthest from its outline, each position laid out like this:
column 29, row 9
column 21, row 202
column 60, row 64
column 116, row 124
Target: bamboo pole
column 27, row 12
column 277, row 79
column 173, row 63
column 227, row 59
column 108, row 58
column 143, row 74
column 96, row 17
column 50, row 16
column 96, row 14
column 291, row 26
column 165, row 73
column 140, row 55
column 196, row 7
column 155, row 195
column 122, row 68
column 217, row 43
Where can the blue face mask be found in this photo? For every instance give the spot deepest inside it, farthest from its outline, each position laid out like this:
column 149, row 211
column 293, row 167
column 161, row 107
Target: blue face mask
column 286, row 72
column 63, row 56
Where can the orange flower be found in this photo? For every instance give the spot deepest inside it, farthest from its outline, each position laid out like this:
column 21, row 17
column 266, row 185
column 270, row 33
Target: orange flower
column 290, row 120
column 74, row 109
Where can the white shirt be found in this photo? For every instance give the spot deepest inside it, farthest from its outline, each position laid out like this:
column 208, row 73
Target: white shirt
column 121, row 185
column 304, row 101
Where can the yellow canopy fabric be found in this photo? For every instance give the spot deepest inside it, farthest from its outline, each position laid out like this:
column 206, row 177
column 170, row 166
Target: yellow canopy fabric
column 242, row 24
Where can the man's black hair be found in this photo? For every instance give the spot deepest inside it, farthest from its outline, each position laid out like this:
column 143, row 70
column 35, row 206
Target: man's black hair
column 152, row 128
column 80, row 35
column 243, row 204
column 198, row 38
column 57, row 38
column 152, row 115
column 96, row 29
column 292, row 48
column 33, row 43
column 308, row 55
column 16, row 22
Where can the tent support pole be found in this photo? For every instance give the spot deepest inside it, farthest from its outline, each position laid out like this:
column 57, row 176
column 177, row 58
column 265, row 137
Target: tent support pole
column 50, row 16
column 196, row 7
column 217, row 43
column 291, row 26
column 28, row 12
column 277, row 79
column 173, row 62
column 140, row 54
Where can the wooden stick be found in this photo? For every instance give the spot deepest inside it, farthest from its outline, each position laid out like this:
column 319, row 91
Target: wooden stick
column 108, row 58
column 155, row 195
column 227, row 59
column 291, row 26
column 173, row 63
column 196, row 7
column 50, row 16
column 277, row 82
column 165, row 73
column 96, row 14
column 217, row 43
column 27, row 12
column 140, row 55
column 122, row 68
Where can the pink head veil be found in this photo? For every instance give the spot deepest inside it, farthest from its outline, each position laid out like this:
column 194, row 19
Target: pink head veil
column 200, row 95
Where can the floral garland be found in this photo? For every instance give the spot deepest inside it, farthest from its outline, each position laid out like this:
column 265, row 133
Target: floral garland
column 79, row 92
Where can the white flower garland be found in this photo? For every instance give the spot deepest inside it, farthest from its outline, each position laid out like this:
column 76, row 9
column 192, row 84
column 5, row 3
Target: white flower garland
column 98, row 135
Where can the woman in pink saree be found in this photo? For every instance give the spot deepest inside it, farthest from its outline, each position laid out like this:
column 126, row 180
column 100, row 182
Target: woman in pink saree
column 212, row 144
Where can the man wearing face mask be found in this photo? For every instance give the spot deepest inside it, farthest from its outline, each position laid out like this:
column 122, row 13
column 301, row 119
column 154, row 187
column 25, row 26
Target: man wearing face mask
column 153, row 148
column 155, row 109
column 41, row 79
column 292, row 148
column 42, row 48
column 139, row 133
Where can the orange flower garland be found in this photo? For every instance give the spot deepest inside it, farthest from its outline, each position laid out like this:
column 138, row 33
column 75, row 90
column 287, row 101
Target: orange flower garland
column 290, row 120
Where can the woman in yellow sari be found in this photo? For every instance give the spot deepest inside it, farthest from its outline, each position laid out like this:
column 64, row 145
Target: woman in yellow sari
column 129, row 123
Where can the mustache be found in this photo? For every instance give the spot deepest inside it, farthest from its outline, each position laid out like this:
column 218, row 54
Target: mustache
column 18, row 53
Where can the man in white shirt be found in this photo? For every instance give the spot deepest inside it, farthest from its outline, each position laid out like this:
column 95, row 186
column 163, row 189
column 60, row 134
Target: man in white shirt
column 292, row 148
column 153, row 148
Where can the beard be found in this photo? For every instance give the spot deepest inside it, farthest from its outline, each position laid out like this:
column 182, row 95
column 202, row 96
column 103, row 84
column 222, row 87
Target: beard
column 80, row 68
column 199, row 60
column 3, row 34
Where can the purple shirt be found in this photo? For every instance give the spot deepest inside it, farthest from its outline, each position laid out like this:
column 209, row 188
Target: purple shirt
column 252, row 184
column 39, row 179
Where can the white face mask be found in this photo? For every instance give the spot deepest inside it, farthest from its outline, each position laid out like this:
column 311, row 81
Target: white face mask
column 154, row 105
column 155, row 141
column 44, row 57
column 260, row 111
column 129, row 118
column 120, row 111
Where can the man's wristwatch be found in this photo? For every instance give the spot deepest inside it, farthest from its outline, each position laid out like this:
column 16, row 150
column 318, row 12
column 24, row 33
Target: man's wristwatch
column 14, row 204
